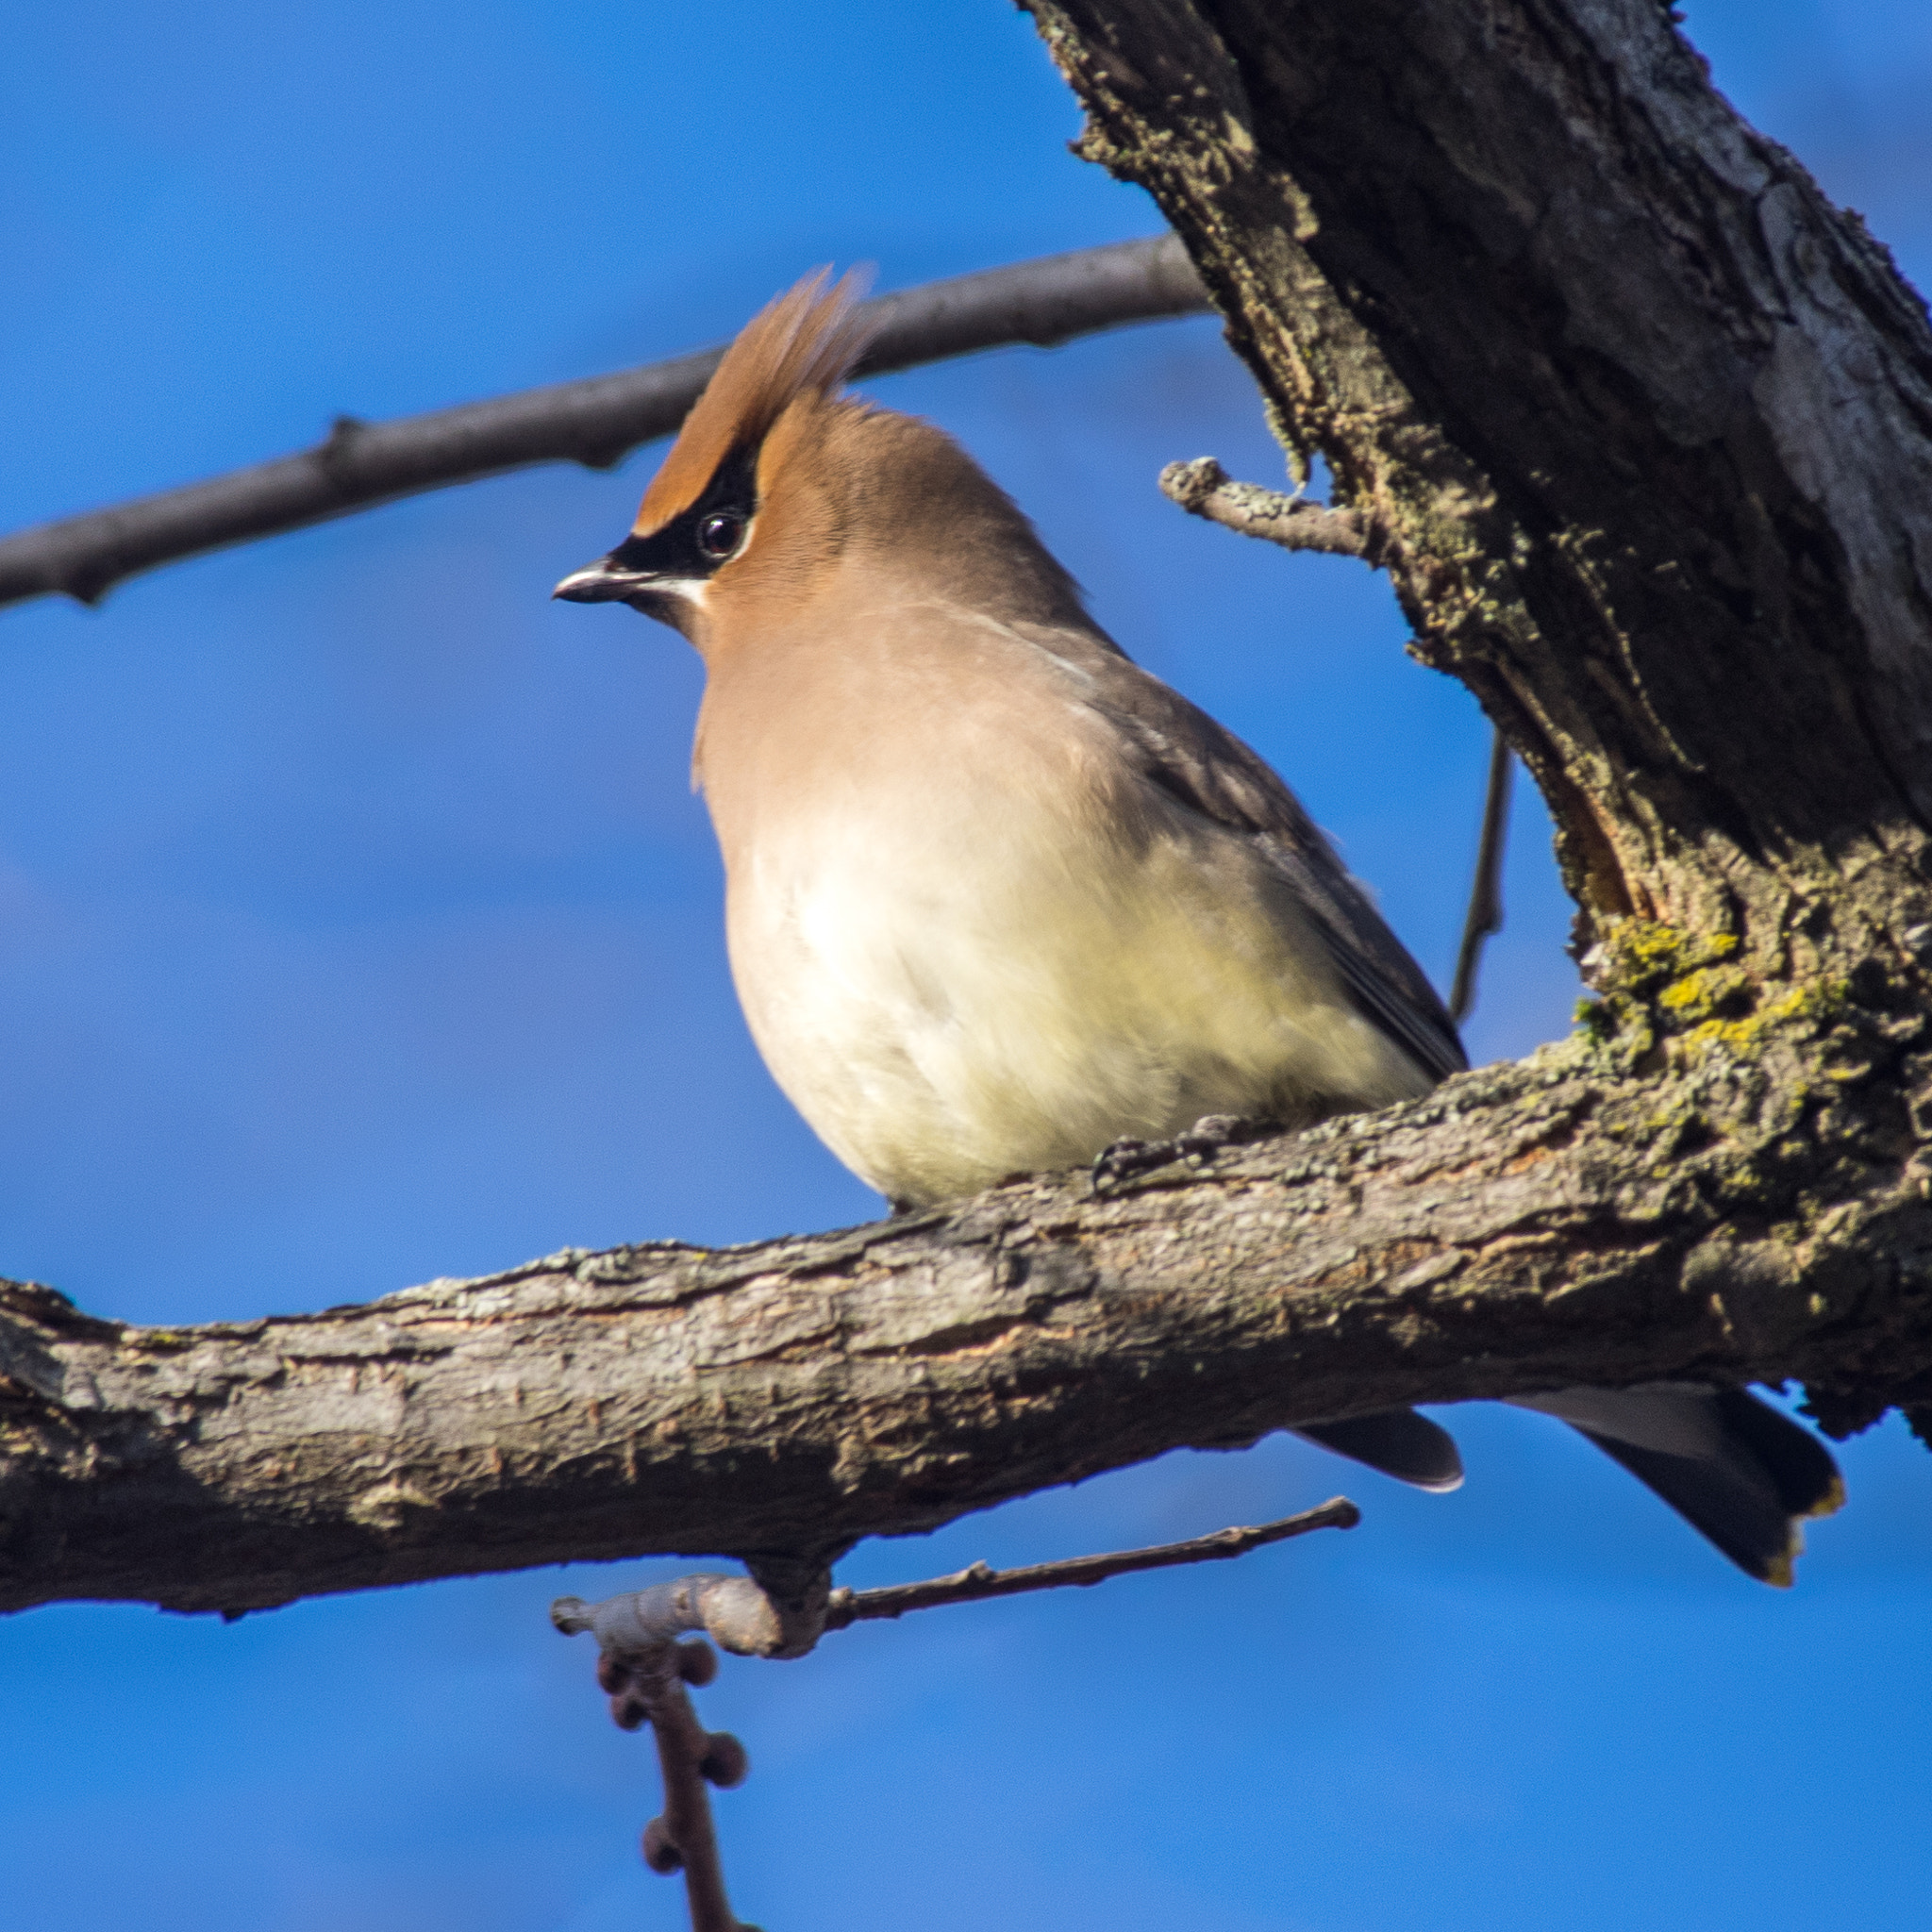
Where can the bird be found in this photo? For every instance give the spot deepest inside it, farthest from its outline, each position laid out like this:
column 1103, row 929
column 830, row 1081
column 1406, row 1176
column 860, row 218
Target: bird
column 999, row 901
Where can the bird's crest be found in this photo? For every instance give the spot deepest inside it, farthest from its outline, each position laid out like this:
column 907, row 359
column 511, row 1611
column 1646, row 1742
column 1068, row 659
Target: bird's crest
column 804, row 343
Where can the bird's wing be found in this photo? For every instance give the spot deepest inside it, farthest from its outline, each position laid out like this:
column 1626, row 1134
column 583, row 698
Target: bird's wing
column 1398, row 1442
column 1208, row 770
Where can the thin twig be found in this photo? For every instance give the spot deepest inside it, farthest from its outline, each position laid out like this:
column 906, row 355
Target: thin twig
column 644, row 1669
column 596, row 422
column 737, row 1614
column 977, row 1582
column 1486, row 890
column 1203, row 489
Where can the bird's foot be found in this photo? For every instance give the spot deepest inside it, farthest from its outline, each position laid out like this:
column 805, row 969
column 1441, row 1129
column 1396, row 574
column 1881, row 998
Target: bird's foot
column 1127, row 1158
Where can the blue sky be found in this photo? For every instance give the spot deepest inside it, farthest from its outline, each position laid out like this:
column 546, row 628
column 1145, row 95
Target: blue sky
column 360, row 926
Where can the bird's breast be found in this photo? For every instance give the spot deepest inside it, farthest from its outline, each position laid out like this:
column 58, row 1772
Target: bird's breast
column 970, row 943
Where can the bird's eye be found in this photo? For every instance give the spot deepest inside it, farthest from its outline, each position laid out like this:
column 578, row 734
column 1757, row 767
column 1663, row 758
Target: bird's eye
column 720, row 534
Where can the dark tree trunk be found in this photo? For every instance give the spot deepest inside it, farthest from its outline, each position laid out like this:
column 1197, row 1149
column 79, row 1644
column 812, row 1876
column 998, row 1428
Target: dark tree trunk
column 1644, row 430
column 1646, row 418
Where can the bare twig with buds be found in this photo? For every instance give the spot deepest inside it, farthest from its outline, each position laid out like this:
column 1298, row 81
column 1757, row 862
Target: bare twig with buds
column 647, row 1686
column 643, row 1667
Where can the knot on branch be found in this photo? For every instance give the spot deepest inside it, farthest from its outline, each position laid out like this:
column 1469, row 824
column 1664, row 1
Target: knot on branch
column 733, row 1610
column 338, row 451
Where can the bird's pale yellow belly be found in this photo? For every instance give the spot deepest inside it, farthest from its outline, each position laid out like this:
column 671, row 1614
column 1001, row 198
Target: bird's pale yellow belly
column 950, row 1003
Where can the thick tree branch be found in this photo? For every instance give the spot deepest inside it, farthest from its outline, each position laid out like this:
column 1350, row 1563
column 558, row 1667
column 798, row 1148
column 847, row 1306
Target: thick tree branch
column 1763, row 1214
column 596, row 422
column 1644, row 430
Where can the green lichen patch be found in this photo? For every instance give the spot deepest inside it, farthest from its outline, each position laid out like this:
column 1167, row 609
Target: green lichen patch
column 1708, row 995
column 1642, row 956
column 1812, row 1006
column 158, row 1340
column 1661, row 984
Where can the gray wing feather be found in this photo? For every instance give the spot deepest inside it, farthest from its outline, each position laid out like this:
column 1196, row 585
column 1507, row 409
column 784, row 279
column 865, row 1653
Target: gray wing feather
column 1208, row 768
column 1398, row 1442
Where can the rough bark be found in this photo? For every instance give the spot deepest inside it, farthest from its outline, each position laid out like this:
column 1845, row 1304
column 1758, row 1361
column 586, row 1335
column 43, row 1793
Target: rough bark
column 1645, row 430
column 1762, row 1214
column 1644, row 418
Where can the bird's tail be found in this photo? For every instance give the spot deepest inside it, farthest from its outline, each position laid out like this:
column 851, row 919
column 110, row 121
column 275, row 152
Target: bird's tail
column 1737, row 1470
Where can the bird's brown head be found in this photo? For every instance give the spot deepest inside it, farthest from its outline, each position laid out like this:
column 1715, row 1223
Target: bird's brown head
column 705, row 509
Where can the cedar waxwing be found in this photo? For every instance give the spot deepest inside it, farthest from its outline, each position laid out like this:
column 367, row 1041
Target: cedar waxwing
column 998, row 898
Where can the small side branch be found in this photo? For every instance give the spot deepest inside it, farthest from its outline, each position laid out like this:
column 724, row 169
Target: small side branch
column 733, row 1611
column 976, row 1582
column 643, row 1667
column 1203, row 489
column 737, row 1613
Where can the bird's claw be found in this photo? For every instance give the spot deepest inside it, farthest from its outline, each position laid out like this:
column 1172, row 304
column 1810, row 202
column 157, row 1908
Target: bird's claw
column 1129, row 1157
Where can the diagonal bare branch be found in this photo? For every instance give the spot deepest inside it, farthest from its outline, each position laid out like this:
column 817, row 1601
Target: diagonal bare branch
column 596, row 422
column 1484, row 918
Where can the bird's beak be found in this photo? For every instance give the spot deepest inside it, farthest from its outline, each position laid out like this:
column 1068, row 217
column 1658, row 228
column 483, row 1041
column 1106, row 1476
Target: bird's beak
column 606, row 581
